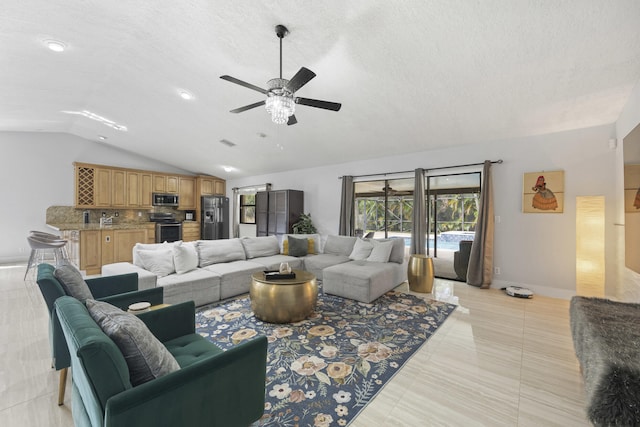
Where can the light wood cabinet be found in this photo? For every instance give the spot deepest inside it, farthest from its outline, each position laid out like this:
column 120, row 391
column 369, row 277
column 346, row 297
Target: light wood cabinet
column 107, row 243
column 219, row 187
column 173, row 184
column 206, row 186
column 90, row 251
column 190, row 231
column 146, row 192
column 133, row 189
column 187, row 193
column 159, row 183
column 119, row 188
column 124, row 241
column 102, row 188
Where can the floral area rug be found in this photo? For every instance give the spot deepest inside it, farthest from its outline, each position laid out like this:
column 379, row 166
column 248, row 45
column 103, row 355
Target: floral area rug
column 323, row 370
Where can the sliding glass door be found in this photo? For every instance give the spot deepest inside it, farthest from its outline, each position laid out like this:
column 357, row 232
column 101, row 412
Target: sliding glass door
column 384, row 208
column 452, row 212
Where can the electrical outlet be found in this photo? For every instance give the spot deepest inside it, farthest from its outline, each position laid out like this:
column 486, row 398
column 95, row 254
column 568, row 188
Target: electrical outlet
column 497, row 271
column 21, row 250
column 116, row 214
column 139, row 214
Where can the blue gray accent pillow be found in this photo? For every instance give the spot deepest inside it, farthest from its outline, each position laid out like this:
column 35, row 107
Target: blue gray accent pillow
column 297, row 246
column 146, row 357
column 72, row 282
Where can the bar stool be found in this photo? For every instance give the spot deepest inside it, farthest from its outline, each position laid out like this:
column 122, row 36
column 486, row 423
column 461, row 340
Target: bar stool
column 39, row 248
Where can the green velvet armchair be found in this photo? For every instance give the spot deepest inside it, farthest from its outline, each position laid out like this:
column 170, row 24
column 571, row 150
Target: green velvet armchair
column 121, row 291
column 212, row 387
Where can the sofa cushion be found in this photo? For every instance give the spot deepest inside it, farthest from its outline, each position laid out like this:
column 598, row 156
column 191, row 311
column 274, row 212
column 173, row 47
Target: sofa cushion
column 146, row 357
column 72, row 282
column 298, row 246
column 315, row 264
column 260, row 246
column 317, row 243
column 339, row 245
column 362, row 281
column 361, row 249
column 185, row 257
column 397, row 250
column 147, row 247
column 200, row 286
column 235, row 277
column 311, row 246
column 380, row 251
column 158, row 261
column 273, row 262
column 217, row 251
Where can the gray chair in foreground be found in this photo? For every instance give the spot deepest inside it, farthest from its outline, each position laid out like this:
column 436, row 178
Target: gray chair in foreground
column 461, row 259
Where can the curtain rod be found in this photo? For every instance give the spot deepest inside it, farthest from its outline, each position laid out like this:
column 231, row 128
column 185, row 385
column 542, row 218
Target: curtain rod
column 426, row 170
column 268, row 184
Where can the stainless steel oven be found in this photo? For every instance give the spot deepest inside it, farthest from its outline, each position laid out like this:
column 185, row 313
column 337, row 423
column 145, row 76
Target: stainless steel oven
column 167, row 228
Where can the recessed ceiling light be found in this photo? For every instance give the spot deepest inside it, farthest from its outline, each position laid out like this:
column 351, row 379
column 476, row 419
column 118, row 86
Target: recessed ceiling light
column 102, row 137
column 55, row 45
column 186, row 95
column 227, row 168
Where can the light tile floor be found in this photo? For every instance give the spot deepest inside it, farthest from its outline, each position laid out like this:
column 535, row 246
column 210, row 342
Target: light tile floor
column 497, row 361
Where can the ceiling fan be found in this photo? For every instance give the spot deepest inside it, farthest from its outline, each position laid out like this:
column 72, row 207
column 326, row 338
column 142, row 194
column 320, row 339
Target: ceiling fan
column 281, row 99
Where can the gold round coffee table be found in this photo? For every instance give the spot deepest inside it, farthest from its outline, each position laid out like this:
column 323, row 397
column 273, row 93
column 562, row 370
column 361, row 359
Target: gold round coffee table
column 283, row 300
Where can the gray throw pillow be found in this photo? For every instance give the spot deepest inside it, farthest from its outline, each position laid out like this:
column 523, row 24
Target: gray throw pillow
column 72, row 282
column 298, row 247
column 146, row 357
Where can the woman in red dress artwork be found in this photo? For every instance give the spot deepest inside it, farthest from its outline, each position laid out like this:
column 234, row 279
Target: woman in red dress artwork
column 544, row 199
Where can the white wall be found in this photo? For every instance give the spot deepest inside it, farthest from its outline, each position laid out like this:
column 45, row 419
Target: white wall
column 37, row 172
column 532, row 250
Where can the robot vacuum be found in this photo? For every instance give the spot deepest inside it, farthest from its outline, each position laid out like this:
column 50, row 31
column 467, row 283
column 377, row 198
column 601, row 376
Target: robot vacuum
column 518, row 292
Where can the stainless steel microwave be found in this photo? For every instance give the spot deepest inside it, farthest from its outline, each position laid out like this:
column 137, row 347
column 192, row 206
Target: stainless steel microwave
column 160, row 199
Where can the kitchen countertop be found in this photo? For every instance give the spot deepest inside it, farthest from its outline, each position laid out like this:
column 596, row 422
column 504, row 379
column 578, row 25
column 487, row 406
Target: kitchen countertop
column 96, row 226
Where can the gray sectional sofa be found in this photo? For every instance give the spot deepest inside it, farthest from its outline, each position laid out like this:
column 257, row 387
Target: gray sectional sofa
column 207, row 271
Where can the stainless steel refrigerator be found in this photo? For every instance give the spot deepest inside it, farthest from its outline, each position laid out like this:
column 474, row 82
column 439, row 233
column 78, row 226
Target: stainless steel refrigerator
column 215, row 218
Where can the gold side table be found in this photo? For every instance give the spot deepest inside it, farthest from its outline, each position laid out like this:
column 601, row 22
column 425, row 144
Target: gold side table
column 283, row 300
column 420, row 273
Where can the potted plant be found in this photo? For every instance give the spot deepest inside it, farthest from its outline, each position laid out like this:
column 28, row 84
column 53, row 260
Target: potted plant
column 304, row 225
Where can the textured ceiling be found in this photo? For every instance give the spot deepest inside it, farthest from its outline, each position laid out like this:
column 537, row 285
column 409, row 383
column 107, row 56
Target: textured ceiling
column 411, row 75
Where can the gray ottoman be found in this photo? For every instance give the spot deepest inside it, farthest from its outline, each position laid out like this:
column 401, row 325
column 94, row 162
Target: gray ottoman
column 362, row 281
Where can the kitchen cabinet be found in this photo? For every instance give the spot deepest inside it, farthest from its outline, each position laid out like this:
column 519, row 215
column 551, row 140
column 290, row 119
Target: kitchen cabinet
column 119, row 188
column 133, row 189
column 187, row 193
column 91, row 251
column 102, row 187
column 159, row 183
column 219, row 187
column 190, row 231
column 146, row 190
column 206, row 185
column 106, row 246
column 277, row 211
column 173, row 184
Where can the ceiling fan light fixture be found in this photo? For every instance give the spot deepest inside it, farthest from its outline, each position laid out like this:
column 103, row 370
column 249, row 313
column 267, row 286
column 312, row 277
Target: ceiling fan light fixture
column 280, row 107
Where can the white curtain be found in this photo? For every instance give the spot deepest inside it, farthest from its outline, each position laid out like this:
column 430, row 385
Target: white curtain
column 480, row 271
column 419, row 221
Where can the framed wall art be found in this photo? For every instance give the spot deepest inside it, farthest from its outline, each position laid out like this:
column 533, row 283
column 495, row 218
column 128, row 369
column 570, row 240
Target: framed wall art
column 543, row 192
column 632, row 188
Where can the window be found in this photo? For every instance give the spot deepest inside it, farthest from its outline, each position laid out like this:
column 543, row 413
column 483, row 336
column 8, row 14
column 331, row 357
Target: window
column 247, row 209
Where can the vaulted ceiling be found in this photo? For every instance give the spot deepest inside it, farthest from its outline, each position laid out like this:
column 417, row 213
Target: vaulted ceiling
column 411, row 75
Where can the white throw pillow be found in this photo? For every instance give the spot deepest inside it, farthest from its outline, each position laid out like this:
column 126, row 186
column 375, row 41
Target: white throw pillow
column 147, row 247
column 361, row 250
column 381, row 251
column 159, row 261
column 185, row 257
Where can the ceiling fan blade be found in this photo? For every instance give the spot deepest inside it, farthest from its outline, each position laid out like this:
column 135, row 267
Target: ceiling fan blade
column 247, row 107
column 301, row 78
column 245, row 84
column 292, row 120
column 333, row 106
